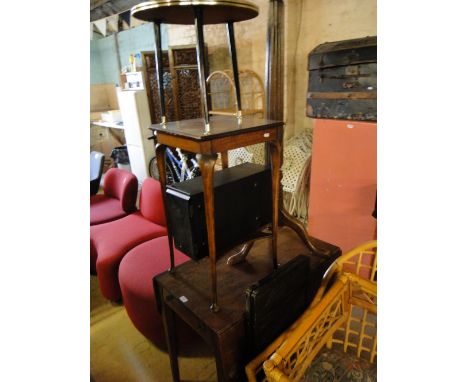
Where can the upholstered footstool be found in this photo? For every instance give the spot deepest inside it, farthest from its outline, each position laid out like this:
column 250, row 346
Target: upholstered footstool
column 136, row 273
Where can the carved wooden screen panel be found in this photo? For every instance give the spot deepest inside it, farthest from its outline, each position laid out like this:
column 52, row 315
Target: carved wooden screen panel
column 184, row 56
column 152, row 87
column 183, row 62
column 188, row 93
column 180, row 80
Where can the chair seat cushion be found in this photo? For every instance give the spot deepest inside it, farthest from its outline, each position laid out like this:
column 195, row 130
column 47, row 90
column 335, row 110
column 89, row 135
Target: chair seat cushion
column 336, row 365
column 105, row 209
column 136, row 273
column 111, row 241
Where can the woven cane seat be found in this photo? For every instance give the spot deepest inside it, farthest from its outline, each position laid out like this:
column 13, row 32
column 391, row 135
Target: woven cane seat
column 336, row 365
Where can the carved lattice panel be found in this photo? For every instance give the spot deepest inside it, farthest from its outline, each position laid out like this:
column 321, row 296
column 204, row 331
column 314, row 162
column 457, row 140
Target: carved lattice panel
column 181, row 87
column 188, row 93
column 153, row 88
column 186, row 56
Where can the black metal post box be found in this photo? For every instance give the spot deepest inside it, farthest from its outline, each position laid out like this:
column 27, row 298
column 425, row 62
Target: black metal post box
column 243, row 203
column 343, row 80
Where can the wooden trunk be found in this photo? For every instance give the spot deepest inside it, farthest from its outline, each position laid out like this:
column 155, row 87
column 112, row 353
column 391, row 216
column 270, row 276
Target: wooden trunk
column 343, row 80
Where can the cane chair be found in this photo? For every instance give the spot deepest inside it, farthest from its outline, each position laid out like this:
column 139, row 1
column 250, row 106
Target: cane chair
column 361, row 261
column 343, row 315
column 222, row 93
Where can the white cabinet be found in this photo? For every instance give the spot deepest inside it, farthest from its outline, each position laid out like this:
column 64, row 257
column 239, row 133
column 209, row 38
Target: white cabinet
column 136, row 119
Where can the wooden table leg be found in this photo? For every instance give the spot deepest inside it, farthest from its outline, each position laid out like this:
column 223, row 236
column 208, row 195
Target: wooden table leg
column 168, row 317
column 161, row 162
column 207, row 163
column 286, row 219
column 240, row 256
column 224, row 159
column 275, row 151
column 229, row 351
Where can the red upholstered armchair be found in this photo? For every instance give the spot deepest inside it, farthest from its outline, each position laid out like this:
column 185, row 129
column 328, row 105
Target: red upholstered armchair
column 111, row 241
column 120, row 193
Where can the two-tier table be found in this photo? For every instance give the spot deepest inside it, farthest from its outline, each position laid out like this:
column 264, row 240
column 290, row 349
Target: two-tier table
column 226, row 133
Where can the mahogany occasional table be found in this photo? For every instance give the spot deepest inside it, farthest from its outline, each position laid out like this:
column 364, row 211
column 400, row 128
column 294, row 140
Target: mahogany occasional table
column 220, row 134
column 185, row 293
column 226, row 133
column 191, row 291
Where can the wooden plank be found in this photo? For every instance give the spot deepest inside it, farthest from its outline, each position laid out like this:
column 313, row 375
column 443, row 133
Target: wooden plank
column 246, row 139
column 342, row 95
column 193, row 146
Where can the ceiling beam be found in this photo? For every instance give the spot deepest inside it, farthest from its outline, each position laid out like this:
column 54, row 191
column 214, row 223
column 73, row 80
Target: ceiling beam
column 97, row 3
column 105, row 8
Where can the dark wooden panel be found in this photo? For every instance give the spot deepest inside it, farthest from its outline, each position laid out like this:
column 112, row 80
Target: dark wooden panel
column 266, row 300
column 346, row 52
column 185, row 56
column 342, row 95
column 356, row 110
column 352, row 78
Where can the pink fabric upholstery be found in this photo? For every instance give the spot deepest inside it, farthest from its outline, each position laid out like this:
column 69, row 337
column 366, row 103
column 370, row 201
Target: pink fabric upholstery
column 111, row 241
column 151, row 203
column 104, row 209
column 136, row 273
column 122, row 185
column 120, row 193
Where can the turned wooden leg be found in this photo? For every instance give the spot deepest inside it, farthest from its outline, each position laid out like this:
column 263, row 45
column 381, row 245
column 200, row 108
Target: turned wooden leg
column 275, row 151
column 224, row 159
column 207, row 163
column 229, row 352
column 161, row 162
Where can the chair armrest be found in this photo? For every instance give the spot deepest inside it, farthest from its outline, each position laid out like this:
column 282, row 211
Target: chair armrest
column 122, row 185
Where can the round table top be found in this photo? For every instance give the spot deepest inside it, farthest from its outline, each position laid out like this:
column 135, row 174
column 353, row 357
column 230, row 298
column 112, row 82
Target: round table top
column 181, row 11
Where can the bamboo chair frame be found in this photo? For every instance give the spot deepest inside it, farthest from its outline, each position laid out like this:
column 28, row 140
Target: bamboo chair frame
column 346, row 299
